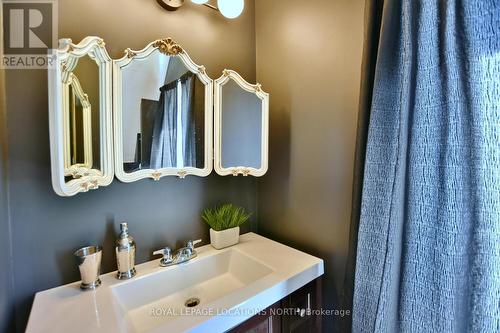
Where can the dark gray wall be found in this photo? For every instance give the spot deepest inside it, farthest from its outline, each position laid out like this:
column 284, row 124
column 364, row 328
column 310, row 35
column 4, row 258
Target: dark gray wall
column 309, row 58
column 6, row 308
column 46, row 229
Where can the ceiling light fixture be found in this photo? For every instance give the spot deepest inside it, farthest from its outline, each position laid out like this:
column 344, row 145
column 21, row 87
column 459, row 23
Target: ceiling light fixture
column 228, row 8
column 231, row 8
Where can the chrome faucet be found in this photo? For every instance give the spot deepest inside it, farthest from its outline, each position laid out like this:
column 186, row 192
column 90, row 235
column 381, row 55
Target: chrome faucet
column 181, row 255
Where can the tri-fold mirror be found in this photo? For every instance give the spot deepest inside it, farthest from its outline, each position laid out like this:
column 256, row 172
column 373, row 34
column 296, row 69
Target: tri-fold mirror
column 149, row 114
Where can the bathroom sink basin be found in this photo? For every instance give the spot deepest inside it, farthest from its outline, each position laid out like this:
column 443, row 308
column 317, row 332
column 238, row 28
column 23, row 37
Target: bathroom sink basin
column 214, row 292
column 188, row 289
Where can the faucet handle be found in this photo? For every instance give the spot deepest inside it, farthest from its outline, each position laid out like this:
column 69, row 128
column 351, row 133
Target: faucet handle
column 191, row 244
column 166, row 252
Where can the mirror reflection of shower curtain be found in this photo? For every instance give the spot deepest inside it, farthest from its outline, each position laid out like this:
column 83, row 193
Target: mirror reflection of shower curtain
column 174, row 126
column 188, row 120
column 164, row 142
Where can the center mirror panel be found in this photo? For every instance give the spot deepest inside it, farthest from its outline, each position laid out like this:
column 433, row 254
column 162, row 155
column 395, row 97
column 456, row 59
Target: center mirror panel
column 163, row 114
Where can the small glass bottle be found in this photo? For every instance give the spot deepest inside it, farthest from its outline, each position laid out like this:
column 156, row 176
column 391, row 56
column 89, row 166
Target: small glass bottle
column 125, row 254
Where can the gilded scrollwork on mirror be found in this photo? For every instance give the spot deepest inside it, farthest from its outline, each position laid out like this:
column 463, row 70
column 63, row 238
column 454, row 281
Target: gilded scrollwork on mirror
column 80, row 117
column 168, row 46
column 162, row 103
column 241, row 112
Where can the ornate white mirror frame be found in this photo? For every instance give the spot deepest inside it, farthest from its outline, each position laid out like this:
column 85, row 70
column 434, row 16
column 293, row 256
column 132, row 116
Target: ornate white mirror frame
column 76, row 92
column 168, row 47
column 58, row 78
column 264, row 97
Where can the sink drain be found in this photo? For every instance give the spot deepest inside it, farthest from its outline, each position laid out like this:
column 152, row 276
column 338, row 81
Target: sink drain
column 192, row 302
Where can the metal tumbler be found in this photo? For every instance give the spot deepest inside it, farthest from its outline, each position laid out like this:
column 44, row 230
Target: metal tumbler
column 89, row 263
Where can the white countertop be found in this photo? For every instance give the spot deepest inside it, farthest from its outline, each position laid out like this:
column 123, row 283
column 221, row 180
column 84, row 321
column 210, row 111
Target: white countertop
column 68, row 309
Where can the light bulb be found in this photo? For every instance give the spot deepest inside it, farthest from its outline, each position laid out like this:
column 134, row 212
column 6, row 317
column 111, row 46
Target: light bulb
column 199, row 2
column 231, row 8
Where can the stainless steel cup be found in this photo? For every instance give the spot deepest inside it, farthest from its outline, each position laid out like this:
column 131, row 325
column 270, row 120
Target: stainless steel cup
column 89, row 263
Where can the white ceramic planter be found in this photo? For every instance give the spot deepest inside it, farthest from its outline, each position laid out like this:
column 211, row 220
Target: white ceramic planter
column 224, row 238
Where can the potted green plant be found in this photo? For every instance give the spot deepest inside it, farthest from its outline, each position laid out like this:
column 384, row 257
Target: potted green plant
column 224, row 222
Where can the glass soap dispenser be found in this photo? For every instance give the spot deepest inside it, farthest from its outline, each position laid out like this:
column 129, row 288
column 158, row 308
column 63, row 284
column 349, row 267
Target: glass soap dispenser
column 125, row 254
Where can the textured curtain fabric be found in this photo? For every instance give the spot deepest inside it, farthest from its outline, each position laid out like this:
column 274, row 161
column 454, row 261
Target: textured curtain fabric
column 164, row 142
column 188, row 120
column 428, row 252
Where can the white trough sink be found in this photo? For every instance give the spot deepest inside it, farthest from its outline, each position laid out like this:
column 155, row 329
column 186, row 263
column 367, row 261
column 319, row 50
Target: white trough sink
column 151, row 301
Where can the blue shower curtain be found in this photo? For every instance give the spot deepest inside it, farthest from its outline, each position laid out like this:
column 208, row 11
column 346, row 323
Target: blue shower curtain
column 428, row 253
